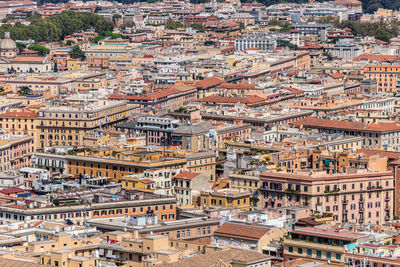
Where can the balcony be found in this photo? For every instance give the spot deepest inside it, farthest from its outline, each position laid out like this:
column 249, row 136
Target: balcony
column 387, row 208
column 345, row 201
column 387, row 199
column 334, row 191
column 292, row 191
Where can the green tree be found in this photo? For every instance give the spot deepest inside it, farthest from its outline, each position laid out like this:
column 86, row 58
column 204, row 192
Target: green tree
column 31, row 70
column 198, row 27
column 98, row 38
column 24, row 91
column 171, row 24
column 287, row 44
column 39, row 48
column 21, row 46
column 69, row 42
column 127, row 24
column 117, row 16
column 76, row 52
column 103, row 26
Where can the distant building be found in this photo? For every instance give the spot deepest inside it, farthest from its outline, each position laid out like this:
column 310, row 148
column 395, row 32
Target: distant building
column 261, row 43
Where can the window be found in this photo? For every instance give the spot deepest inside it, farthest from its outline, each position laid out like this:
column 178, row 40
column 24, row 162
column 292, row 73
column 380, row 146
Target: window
column 338, row 256
column 300, row 250
column 319, row 254
column 328, row 255
column 290, row 249
column 309, row 252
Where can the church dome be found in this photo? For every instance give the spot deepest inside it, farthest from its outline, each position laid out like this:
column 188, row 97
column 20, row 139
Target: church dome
column 7, row 43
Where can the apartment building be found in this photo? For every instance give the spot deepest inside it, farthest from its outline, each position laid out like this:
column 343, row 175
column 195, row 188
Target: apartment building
column 67, row 125
column 376, row 136
column 329, row 245
column 198, row 137
column 386, row 76
column 189, row 184
column 252, row 237
column 260, row 43
column 162, row 101
column 361, row 197
column 19, row 123
column 158, row 131
column 15, row 151
column 103, row 206
column 228, row 198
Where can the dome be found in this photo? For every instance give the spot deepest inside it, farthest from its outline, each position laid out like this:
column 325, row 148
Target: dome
column 7, row 43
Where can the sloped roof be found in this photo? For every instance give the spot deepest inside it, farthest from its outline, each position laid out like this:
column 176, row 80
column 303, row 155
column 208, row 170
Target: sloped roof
column 193, row 129
column 209, row 82
column 220, row 258
column 236, row 230
column 187, row 175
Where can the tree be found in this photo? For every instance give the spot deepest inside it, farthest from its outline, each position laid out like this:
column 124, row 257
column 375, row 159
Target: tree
column 104, row 26
column 21, row 46
column 31, row 70
column 98, row 38
column 76, row 52
column 69, row 42
column 127, row 24
column 171, row 24
column 39, row 48
column 287, row 44
column 24, row 91
column 198, row 27
column 117, row 16
column 55, row 68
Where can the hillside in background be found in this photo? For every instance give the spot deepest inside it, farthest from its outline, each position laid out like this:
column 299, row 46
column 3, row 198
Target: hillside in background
column 369, row 6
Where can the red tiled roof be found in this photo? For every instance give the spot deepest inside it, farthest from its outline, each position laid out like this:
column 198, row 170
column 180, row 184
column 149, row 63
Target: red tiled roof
column 12, row 190
column 294, row 90
column 16, row 114
column 380, row 41
column 347, row 125
column 237, row 86
column 336, row 75
column 381, row 58
column 311, row 47
column 225, row 99
column 388, row 154
column 242, row 231
column 209, row 82
column 147, row 181
column 187, row 175
column 28, row 59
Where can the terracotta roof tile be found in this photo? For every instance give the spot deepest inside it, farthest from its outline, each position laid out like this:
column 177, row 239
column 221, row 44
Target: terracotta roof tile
column 347, row 125
column 21, row 114
column 187, row 175
column 209, row 82
column 225, row 99
column 336, row 75
column 242, row 231
column 222, row 257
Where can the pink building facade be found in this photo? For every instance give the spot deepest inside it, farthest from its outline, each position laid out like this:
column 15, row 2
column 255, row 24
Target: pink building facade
column 363, row 198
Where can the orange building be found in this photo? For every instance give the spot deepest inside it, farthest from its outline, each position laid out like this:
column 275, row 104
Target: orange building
column 386, row 76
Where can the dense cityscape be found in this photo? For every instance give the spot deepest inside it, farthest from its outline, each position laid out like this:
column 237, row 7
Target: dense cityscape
column 199, row 133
